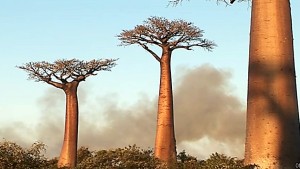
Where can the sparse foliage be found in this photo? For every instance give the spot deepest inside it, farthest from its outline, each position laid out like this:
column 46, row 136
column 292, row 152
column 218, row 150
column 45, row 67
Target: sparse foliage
column 64, row 71
column 165, row 33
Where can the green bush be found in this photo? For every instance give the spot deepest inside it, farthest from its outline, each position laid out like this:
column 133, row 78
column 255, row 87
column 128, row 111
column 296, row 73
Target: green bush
column 220, row 161
column 131, row 157
column 215, row 161
column 13, row 156
column 185, row 161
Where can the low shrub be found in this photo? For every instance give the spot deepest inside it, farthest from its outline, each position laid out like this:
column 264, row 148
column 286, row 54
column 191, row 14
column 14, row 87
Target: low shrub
column 13, row 156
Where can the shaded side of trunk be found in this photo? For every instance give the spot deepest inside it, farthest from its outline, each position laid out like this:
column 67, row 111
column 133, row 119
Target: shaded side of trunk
column 165, row 144
column 272, row 136
column 68, row 154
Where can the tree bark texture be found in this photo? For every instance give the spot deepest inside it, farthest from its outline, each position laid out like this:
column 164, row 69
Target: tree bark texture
column 68, row 154
column 272, row 136
column 165, row 144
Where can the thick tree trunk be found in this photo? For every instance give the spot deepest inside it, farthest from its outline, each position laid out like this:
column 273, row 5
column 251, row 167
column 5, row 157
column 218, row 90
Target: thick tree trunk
column 165, row 144
column 68, row 154
column 272, row 139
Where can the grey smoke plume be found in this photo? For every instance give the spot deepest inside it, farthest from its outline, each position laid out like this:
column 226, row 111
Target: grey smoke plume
column 204, row 106
column 123, row 126
column 208, row 117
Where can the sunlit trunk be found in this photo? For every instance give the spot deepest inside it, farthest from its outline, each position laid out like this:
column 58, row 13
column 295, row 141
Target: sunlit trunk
column 165, row 144
column 69, row 149
column 272, row 139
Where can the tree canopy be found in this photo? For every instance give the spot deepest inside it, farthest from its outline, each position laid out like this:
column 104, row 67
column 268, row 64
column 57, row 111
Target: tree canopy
column 162, row 32
column 64, row 71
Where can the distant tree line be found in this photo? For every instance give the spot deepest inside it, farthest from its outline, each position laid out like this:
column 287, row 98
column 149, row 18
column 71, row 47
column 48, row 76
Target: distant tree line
column 13, row 156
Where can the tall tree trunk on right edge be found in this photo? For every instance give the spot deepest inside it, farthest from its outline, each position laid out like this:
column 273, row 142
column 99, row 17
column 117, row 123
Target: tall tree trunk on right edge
column 68, row 156
column 272, row 136
column 165, row 144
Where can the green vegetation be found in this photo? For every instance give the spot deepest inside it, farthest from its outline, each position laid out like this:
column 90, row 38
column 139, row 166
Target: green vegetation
column 13, row 156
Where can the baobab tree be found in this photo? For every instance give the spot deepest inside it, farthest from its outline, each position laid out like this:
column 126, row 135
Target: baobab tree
column 168, row 36
column 272, row 134
column 66, row 75
column 272, row 137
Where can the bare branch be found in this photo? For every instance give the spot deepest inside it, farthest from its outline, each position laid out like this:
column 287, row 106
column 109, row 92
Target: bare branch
column 204, row 43
column 150, row 51
column 65, row 71
column 176, row 2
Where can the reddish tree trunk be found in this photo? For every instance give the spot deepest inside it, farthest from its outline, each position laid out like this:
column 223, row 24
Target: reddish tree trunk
column 272, row 139
column 165, row 144
column 69, row 149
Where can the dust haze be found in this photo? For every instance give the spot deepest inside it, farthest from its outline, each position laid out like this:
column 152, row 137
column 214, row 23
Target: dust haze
column 208, row 117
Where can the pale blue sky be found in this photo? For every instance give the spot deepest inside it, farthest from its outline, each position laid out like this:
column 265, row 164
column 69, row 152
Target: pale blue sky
column 35, row 30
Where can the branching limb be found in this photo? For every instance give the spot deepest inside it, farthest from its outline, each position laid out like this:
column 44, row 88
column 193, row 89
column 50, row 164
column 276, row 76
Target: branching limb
column 150, row 51
column 55, row 84
column 206, row 44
